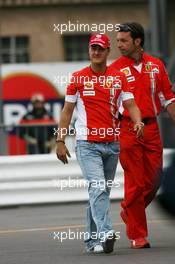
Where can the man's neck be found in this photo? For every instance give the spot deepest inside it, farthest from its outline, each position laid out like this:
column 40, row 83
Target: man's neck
column 137, row 57
column 99, row 68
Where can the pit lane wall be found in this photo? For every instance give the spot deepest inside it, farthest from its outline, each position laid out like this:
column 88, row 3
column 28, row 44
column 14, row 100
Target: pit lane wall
column 41, row 179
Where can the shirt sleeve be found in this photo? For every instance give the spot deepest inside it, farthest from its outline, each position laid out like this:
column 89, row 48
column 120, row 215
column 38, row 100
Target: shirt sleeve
column 166, row 95
column 72, row 91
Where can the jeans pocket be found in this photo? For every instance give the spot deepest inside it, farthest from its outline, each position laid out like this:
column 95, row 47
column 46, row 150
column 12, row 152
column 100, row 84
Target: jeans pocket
column 115, row 147
column 85, row 148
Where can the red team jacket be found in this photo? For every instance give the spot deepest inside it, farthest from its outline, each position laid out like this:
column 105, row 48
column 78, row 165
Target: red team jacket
column 151, row 87
column 97, row 98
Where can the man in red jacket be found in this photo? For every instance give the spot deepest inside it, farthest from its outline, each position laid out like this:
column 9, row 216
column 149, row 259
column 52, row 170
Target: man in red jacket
column 141, row 158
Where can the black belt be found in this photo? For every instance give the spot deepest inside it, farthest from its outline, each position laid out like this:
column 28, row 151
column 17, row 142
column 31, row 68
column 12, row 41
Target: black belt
column 149, row 120
column 146, row 120
column 97, row 142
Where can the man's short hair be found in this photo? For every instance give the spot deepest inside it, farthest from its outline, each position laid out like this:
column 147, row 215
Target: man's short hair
column 136, row 30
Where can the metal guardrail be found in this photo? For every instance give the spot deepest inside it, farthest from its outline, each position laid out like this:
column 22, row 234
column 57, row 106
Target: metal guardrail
column 39, row 179
column 38, row 138
column 35, row 138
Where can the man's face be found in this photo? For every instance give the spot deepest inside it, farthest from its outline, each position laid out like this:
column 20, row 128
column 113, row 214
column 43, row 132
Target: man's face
column 126, row 44
column 38, row 105
column 97, row 54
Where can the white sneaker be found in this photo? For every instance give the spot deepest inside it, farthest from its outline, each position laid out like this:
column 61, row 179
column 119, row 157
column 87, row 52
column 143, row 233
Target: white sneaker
column 98, row 249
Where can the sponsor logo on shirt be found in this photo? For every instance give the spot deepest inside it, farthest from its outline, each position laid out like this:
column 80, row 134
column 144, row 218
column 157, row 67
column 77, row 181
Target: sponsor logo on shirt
column 151, row 68
column 88, row 86
column 128, row 74
column 117, row 84
column 108, row 84
column 86, row 93
column 88, row 89
column 126, row 71
column 130, row 79
column 113, row 83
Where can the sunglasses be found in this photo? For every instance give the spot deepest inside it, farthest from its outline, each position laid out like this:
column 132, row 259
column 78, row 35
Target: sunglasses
column 126, row 28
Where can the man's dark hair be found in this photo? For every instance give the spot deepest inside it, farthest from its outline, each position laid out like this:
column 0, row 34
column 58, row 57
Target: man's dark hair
column 136, row 30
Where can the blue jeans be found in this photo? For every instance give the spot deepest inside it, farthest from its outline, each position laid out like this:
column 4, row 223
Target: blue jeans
column 98, row 162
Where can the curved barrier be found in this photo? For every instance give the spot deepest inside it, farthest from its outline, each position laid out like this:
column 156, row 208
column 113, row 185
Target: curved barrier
column 34, row 179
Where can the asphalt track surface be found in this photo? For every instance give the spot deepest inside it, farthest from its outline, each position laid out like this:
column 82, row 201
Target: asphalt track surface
column 27, row 237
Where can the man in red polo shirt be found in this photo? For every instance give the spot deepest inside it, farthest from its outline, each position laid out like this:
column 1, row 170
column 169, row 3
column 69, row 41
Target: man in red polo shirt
column 141, row 158
column 96, row 91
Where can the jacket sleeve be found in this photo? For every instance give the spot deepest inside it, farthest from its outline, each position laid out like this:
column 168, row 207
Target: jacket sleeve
column 166, row 95
column 126, row 89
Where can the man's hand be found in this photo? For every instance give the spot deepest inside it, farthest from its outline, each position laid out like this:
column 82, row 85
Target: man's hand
column 62, row 152
column 66, row 115
column 139, row 127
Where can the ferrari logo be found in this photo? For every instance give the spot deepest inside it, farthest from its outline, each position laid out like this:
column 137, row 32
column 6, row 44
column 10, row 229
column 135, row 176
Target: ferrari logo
column 148, row 67
column 109, row 84
column 151, row 68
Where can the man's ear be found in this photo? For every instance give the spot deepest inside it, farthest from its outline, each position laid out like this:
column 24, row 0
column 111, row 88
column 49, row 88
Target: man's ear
column 109, row 50
column 137, row 41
